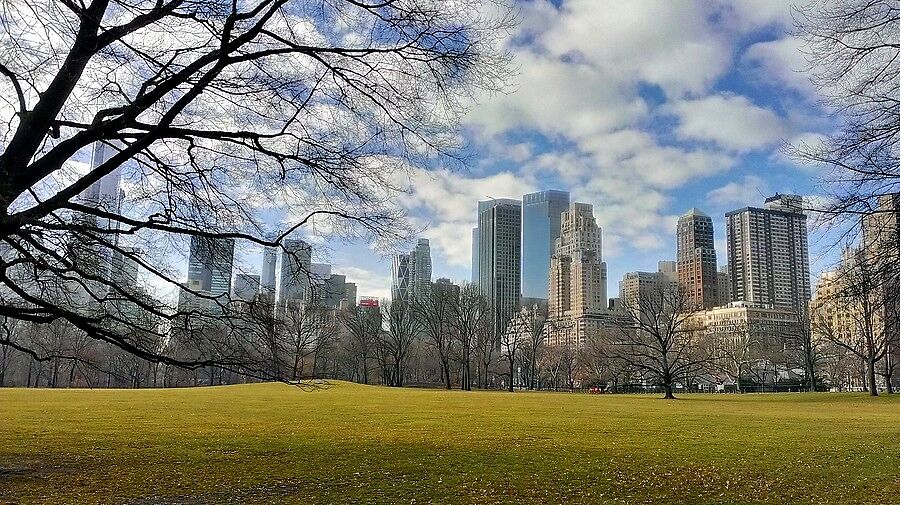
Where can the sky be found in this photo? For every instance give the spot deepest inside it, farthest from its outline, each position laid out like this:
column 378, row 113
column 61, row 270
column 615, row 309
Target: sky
column 643, row 109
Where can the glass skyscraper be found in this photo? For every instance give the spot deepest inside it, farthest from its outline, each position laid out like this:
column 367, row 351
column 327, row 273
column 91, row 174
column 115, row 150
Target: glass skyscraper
column 500, row 256
column 210, row 264
column 541, row 213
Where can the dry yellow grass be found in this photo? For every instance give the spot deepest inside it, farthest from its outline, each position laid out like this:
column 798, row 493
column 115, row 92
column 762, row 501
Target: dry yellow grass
column 272, row 443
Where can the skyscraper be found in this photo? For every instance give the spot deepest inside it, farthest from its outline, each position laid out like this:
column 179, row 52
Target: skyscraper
column 91, row 256
column 400, row 278
column 210, row 264
column 697, row 259
column 267, row 279
column 577, row 303
column 577, row 271
column 476, row 260
column 246, row 287
column 295, row 271
column 541, row 214
column 500, row 256
column 338, row 293
column 724, row 282
column 420, row 270
column 123, row 271
column 768, row 253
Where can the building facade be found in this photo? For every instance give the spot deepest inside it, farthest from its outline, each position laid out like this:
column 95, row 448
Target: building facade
column 541, row 214
column 696, row 257
column 768, row 254
column 577, row 303
column 296, row 261
column 267, row 278
column 500, row 256
column 420, row 270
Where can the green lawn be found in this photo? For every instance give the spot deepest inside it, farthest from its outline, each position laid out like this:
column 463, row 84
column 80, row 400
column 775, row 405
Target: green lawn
column 274, row 443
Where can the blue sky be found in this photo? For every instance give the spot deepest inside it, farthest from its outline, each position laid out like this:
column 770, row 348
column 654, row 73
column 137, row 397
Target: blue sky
column 643, row 109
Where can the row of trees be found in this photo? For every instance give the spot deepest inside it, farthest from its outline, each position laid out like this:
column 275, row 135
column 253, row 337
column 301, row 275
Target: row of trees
column 452, row 338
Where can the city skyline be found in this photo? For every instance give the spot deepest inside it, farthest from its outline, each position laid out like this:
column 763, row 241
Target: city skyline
column 654, row 144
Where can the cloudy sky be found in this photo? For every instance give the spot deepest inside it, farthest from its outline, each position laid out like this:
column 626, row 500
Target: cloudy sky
column 643, row 109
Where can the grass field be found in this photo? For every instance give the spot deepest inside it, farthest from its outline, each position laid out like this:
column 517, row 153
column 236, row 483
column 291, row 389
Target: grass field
column 273, row 443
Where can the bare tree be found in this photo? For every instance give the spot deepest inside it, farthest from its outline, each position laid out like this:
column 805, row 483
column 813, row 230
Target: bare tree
column 734, row 350
column 511, row 340
column 363, row 326
column 434, row 312
column 471, row 314
column 536, row 333
column 854, row 317
column 216, row 114
column 806, row 348
column 397, row 340
column 660, row 338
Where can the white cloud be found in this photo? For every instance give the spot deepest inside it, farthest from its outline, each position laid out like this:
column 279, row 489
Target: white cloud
column 782, row 60
column 448, row 201
column 673, row 45
column 738, row 192
column 368, row 283
column 731, row 121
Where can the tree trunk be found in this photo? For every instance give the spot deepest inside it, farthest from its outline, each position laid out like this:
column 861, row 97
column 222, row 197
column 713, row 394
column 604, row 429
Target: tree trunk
column 447, row 373
column 668, row 388
column 870, row 376
column 511, row 376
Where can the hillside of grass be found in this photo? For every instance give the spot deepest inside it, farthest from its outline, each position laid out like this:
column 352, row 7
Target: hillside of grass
column 347, row 443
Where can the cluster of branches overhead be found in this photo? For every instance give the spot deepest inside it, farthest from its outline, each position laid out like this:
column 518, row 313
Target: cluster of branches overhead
column 219, row 115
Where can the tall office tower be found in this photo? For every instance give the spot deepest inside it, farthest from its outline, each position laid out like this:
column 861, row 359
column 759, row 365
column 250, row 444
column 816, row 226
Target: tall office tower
column 123, row 271
column 541, row 213
column 420, row 270
column 577, row 271
column 400, row 278
column 210, row 264
column 338, row 293
column 475, row 258
column 768, row 254
column 106, row 195
column 295, row 272
column 246, row 287
column 723, row 279
column 500, row 256
column 267, row 279
column 697, row 259
column 318, row 274
column 577, row 302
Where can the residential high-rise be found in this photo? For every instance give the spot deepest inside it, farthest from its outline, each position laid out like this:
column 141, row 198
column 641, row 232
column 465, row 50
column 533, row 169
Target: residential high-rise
column 723, row 279
column 768, row 254
column 500, row 256
column 267, row 279
column 400, row 278
column 577, row 303
column 420, row 270
column 296, row 262
column 210, row 264
column 577, row 271
column 541, row 213
column 635, row 285
column 697, row 259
